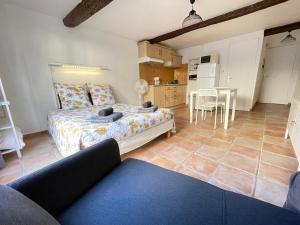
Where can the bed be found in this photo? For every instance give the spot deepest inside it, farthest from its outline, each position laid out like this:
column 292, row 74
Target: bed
column 72, row 129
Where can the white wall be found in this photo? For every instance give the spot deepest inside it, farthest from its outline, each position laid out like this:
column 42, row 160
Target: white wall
column 224, row 49
column 29, row 41
column 296, row 93
column 291, row 72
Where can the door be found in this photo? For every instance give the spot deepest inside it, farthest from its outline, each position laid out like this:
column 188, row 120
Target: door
column 242, row 70
column 278, row 74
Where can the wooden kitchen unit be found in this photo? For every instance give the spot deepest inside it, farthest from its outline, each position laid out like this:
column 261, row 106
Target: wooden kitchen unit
column 149, row 71
column 161, row 61
column 169, row 57
column 166, row 95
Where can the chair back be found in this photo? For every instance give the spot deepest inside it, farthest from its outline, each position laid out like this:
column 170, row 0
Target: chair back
column 206, row 95
column 207, row 92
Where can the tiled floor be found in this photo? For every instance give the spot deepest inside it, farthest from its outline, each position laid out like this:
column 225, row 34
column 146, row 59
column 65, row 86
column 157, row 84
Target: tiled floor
column 251, row 157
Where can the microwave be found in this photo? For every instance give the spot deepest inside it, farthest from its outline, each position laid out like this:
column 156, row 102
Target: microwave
column 212, row 58
column 193, row 77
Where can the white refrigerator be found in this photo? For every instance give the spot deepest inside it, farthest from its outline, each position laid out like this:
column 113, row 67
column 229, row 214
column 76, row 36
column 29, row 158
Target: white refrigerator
column 208, row 75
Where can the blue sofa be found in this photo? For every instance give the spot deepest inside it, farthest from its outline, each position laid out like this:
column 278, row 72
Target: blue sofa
column 95, row 187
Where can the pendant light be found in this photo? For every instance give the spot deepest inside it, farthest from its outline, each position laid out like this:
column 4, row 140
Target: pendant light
column 289, row 39
column 192, row 18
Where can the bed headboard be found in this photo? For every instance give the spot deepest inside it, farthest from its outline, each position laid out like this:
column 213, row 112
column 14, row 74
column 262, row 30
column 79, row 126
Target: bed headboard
column 74, row 74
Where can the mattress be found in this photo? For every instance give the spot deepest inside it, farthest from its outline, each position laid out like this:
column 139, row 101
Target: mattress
column 72, row 129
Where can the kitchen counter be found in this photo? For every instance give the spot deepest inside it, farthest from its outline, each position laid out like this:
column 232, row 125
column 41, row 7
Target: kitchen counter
column 166, row 95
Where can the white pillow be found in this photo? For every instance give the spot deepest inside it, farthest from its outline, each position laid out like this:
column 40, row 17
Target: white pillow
column 72, row 96
column 101, row 94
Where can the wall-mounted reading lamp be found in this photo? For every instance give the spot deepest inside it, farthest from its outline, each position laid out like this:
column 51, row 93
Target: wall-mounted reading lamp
column 79, row 69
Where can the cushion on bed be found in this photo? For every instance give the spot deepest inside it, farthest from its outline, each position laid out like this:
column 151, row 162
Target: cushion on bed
column 72, row 96
column 139, row 193
column 17, row 209
column 101, row 94
column 58, row 185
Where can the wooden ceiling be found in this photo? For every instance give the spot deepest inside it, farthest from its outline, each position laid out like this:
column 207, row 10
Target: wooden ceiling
column 281, row 29
column 84, row 10
column 87, row 8
column 218, row 19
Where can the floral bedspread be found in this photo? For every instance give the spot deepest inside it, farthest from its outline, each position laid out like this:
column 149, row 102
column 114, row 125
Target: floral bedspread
column 72, row 129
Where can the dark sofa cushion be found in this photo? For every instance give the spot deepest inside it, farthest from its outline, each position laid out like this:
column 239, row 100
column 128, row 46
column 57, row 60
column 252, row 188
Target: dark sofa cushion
column 293, row 198
column 17, row 209
column 56, row 186
column 138, row 193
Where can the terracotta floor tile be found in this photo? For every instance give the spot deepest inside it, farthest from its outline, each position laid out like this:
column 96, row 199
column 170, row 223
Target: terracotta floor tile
column 200, row 164
column 278, row 149
column 235, row 178
column 273, row 173
column 249, row 143
column 275, row 133
column 189, row 145
column 163, row 162
column 11, row 167
column 245, row 151
column 277, row 127
column 253, row 136
column 142, row 154
column 271, row 192
column 240, row 162
column 278, row 141
column 191, row 173
column 213, row 142
column 159, row 147
column 5, row 179
column 224, row 137
column 176, row 154
column 204, row 132
column 217, row 183
column 201, row 152
column 254, row 125
column 211, row 152
column 279, row 160
column 38, row 161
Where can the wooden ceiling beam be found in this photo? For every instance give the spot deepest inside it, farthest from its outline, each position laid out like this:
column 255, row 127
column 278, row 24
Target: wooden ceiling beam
column 219, row 19
column 84, row 10
column 281, row 29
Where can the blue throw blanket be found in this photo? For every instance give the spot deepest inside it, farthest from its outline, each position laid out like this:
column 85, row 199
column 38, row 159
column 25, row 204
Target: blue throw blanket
column 106, row 119
column 148, row 110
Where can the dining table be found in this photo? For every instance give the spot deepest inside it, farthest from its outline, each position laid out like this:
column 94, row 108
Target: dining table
column 230, row 97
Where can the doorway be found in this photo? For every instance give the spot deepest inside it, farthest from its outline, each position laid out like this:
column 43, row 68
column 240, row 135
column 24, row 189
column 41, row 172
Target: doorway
column 280, row 75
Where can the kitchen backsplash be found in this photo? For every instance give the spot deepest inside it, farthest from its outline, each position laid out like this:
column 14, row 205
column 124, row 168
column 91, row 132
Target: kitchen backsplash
column 149, row 71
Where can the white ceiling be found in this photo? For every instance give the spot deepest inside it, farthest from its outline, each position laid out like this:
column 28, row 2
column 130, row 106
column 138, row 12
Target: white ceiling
column 143, row 19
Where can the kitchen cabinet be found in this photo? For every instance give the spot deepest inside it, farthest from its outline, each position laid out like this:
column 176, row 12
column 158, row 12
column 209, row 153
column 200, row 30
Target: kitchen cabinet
column 157, row 51
column 154, row 51
column 166, row 95
column 181, row 74
column 174, row 61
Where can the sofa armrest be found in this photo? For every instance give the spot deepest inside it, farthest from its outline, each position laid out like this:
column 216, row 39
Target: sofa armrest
column 56, row 186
